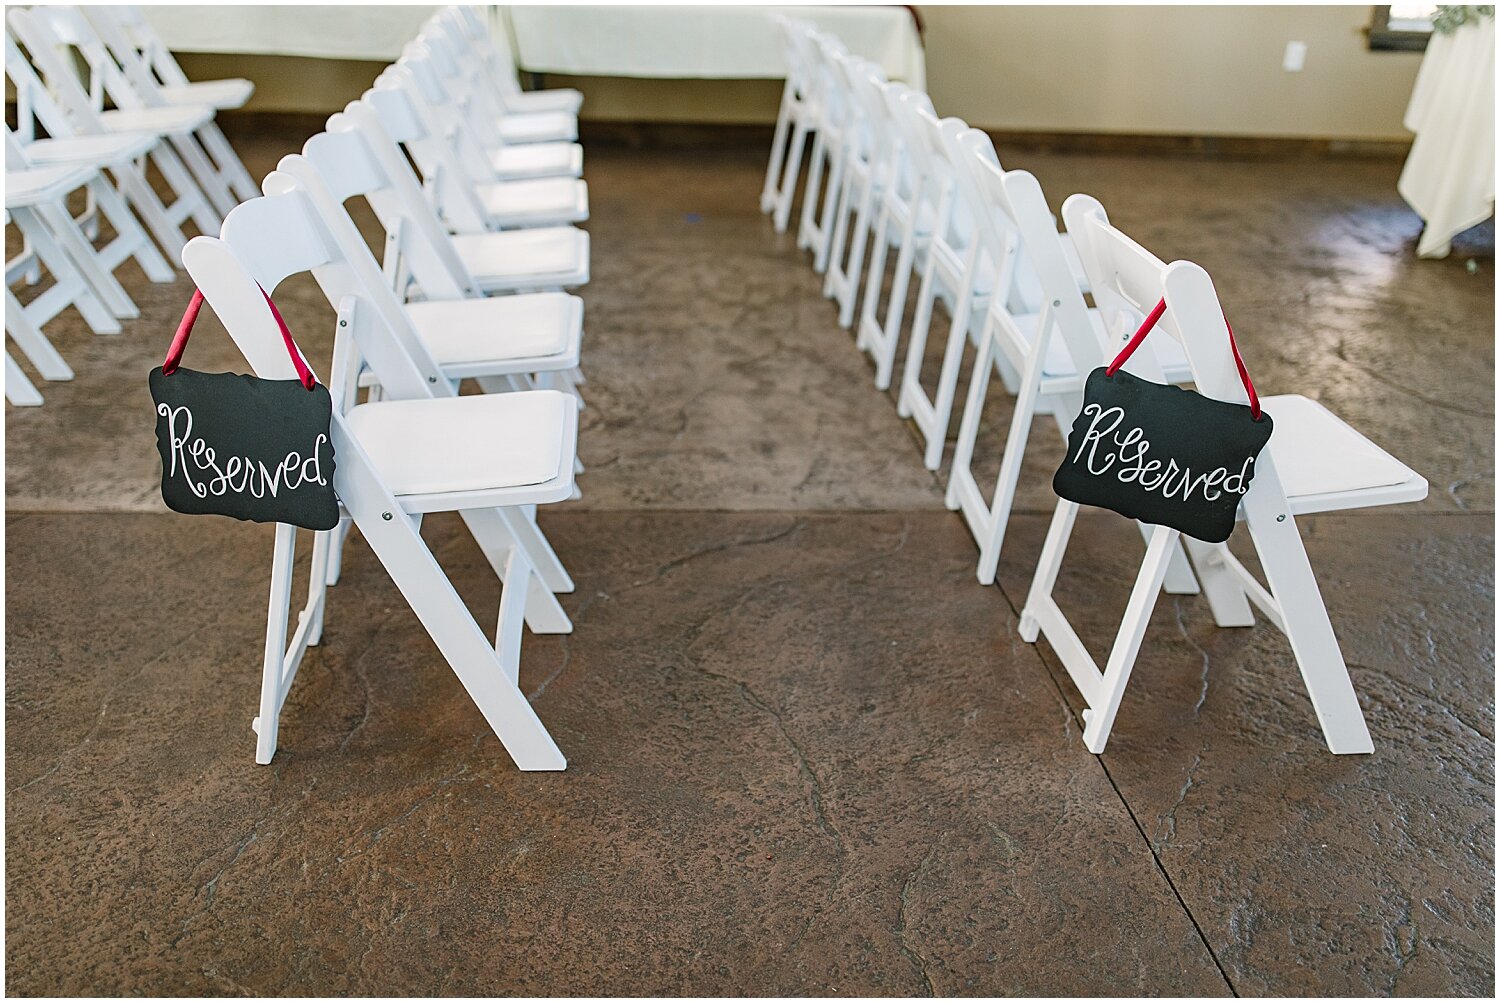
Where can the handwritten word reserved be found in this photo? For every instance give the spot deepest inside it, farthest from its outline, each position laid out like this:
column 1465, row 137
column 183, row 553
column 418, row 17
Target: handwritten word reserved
column 1125, row 454
column 237, row 474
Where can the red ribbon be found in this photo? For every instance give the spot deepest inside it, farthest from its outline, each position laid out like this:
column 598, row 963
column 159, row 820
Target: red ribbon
column 1145, row 329
column 190, row 317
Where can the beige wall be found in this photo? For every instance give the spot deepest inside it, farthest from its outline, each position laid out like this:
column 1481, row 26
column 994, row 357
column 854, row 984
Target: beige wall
column 1152, row 70
column 1170, row 70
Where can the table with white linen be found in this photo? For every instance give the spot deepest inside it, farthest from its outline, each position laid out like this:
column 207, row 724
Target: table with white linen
column 376, row 33
column 1449, row 177
column 702, row 42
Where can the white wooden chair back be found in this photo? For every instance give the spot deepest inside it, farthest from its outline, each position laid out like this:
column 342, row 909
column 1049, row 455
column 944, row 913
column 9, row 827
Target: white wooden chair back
column 144, row 38
column 58, row 79
column 460, row 90
column 442, row 144
column 417, row 245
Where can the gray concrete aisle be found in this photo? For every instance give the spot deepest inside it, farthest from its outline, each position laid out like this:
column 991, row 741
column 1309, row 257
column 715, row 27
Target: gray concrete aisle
column 808, row 754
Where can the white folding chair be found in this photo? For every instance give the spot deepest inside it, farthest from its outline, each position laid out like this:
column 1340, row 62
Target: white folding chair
column 24, row 328
column 455, row 170
column 1313, row 463
column 959, row 271
column 503, row 342
column 130, row 241
column 909, row 209
column 36, row 200
column 820, row 196
column 123, row 155
column 1051, row 349
column 486, row 457
column 453, row 266
column 60, row 39
column 500, row 68
column 150, row 65
column 797, row 116
column 510, row 124
column 507, row 161
column 869, row 167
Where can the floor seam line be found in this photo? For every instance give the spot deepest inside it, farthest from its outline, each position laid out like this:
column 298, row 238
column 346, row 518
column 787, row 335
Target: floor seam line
column 1104, row 767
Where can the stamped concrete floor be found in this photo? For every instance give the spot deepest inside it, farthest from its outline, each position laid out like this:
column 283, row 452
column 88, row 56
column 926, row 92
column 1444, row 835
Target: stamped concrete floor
column 807, row 753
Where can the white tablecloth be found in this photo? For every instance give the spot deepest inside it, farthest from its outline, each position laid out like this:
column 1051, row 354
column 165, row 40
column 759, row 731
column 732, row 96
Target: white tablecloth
column 1449, row 177
column 363, row 32
column 702, row 42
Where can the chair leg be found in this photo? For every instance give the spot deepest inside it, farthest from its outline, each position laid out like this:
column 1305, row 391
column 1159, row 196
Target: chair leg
column 1010, row 461
column 231, row 168
column 65, row 270
column 33, row 343
column 1221, row 587
column 1059, row 532
column 855, row 268
column 834, row 270
column 169, row 236
column 807, row 224
column 788, row 190
column 916, row 341
column 1180, row 580
column 895, row 312
column 19, row 390
column 86, row 260
column 267, row 724
column 1099, row 719
column 198, row 206
column 869, row 306
column 120, row 217
column 204, row 173
column 443, row 613
column 340, row 537
column 778, row 149
column 1308, row 629
column 953, row 356
column 514, row 592
column 498, row 533
column 832, row 199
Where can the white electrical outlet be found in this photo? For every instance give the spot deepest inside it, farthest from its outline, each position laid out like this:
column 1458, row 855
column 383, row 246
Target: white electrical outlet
column 1295, row 58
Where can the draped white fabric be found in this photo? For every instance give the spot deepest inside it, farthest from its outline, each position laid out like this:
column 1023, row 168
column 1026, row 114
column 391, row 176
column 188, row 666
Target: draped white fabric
column 703, row 41
column 365, row 32
column 1449, row 177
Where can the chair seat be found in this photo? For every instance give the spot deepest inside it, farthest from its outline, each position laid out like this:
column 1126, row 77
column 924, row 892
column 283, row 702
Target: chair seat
column 230, row 93
column 553, row 257
column 457, row 445
column 1326, row 465
column 105, row 150
column 170, row 121
column 541, row 200
column 1058, row 368
column 43, row 184
column 538, row 160
column 555, row 99
column 542, row 127
column 469, row 337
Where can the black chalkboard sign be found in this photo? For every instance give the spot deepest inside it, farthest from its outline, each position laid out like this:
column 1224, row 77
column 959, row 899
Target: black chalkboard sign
column 1162, row 454
column 242, row 446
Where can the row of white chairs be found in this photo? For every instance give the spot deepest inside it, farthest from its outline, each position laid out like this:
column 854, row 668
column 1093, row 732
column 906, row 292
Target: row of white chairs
column 77, row 60
column 476, row 186
column 479, row 247
column 884, row 172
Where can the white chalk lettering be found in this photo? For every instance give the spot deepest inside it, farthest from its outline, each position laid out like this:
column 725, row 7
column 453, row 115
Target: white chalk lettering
column 1102, row 449
column 237, row 474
